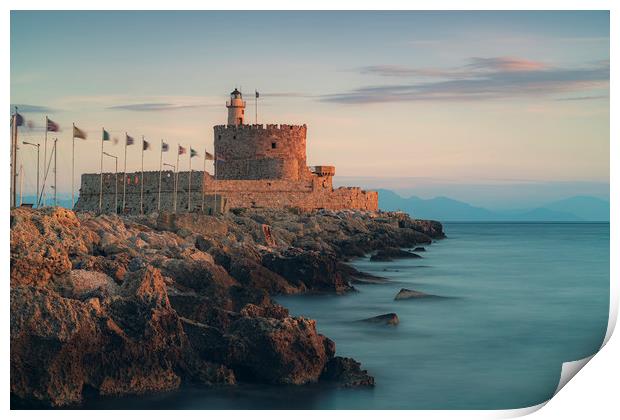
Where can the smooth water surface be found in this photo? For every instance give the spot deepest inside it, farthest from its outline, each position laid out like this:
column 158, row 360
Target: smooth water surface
column 517, row 301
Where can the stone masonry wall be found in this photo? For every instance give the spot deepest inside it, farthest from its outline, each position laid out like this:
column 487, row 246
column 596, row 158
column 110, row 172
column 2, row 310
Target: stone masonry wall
column 313, row 193
column 261, row 152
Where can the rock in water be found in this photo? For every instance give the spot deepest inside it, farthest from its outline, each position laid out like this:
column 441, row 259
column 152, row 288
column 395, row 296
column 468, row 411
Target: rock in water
column 388, row 254
column 419, row 249
column 287, row 351
column 410, row 294
column 346, row 372
column 388, row 319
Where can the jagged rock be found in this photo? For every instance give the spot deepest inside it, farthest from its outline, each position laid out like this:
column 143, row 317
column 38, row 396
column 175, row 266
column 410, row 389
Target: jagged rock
column 309, row 269
column 97, row 300
column 419, row 249
column 129, row 343
column 288, row 351
column 388, row 319
column 346, row 372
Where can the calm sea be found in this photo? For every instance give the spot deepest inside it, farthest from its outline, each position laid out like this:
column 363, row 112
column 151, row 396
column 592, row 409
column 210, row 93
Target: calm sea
column 517, row 300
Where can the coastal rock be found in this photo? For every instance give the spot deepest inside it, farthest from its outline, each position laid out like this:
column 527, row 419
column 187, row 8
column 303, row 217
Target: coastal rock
column 309, row 269
column 419, row 249
column 126, row 343
column 288, row 351
column 133, row 304
column 347, row 372
column 388, row 254
column 411, row 294
column 387, row 319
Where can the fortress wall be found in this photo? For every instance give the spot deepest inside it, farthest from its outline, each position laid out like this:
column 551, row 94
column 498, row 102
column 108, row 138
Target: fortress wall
column 88, row 199
column 309, row 194
column 261, row 152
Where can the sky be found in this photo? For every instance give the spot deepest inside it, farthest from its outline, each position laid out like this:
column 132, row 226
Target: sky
column 502, row 109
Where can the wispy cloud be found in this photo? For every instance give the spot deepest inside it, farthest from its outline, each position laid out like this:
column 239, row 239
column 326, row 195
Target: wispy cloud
column 24, row 108
column 584, row 98
column 478, row 79
column 156, row 106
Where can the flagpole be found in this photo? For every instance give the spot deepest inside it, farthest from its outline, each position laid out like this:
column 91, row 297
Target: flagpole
column 161, row 158
column 55, row 187
column 214, row 182
column 189, row 183
column 204, row 172
column 101, row 174
column 45, row 155
column 21, row 183
column 176, row 181
column 115, row 185
column 255, row 107
column 125, row 173
column 14, row 163
column 72, row 166
column 142, row 180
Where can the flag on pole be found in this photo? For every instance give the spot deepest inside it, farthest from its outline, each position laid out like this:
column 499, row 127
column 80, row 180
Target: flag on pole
column 208, row 156
column 128, row 140
column 257, row 95
column 51, row 125
column 77, row 133
column 146, row 145
column 164, row 146
column 192, row 153
column 105, row 136
column 182, row 150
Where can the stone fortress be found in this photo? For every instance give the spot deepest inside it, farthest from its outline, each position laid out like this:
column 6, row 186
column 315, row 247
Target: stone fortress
column 256, row 165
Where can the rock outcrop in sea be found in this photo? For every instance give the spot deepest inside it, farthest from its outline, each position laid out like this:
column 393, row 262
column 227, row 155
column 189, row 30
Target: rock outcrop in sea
column 131, row 305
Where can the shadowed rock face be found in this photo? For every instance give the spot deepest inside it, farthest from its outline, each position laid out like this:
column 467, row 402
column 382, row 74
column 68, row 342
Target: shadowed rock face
column 141, row 304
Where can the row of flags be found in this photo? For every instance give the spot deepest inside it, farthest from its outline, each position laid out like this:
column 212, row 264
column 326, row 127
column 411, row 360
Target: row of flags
column 78, row 133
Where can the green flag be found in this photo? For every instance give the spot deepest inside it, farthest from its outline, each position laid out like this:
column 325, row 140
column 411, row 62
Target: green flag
column 106, row 135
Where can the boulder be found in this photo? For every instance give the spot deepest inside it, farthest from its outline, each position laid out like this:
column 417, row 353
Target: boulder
column 346, row 372
column 411, row 294
column 287, row 351
column 387, row 319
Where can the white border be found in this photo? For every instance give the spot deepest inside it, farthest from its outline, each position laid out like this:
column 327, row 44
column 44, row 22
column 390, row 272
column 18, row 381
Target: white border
column 596, row 383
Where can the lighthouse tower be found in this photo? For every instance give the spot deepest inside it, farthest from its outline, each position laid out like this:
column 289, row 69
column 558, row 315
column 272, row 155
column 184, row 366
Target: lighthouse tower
column 236, row 108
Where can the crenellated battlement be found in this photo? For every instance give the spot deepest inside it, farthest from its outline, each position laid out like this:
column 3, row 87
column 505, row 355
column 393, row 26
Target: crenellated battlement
column 250, row 127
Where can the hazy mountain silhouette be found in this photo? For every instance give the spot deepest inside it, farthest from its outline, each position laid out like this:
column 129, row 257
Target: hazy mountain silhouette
column 579, row 208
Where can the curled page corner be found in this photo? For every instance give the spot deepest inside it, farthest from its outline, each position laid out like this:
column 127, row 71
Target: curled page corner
column 569, row 370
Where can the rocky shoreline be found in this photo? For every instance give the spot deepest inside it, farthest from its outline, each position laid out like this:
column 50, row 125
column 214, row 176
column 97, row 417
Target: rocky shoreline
column 132, row 305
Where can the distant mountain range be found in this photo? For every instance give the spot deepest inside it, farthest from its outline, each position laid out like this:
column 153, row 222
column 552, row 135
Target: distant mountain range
column 573, row 209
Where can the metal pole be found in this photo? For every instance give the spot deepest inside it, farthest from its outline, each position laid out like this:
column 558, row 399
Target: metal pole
column 38, row 146
column 176, row 181
column 38, row 166
column 204, row 173
column 161, row 157
column 215, row 185
column 14, row 162
column 101, row 176
column 115, row 184
column 21, row 183
column 55, row 187
column 72, row 167
column 45, row 156
column 142, row 180
column 255, row 108
column 189, row 183
column 125, row 173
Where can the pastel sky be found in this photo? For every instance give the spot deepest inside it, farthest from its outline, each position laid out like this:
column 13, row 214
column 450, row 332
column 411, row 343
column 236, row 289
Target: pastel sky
column 431, row 103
